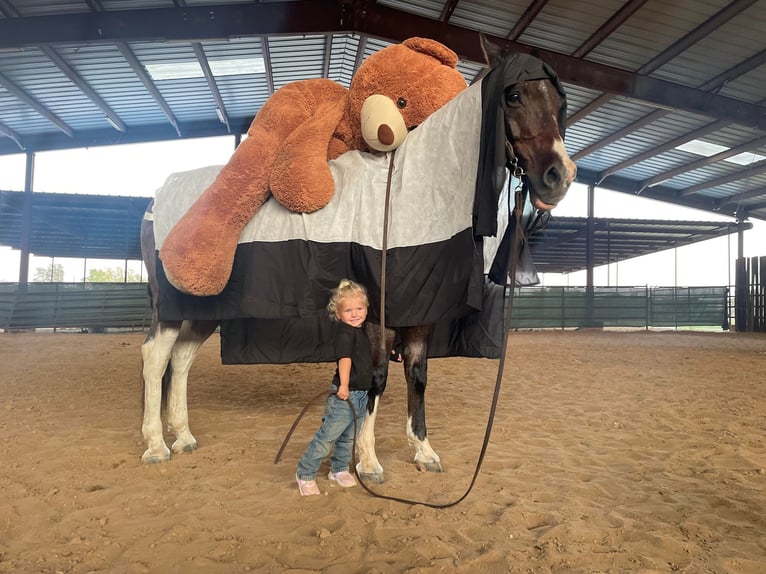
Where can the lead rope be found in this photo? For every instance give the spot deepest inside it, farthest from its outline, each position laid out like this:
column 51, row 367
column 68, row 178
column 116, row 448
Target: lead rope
column 513, row 261
column 383, row 348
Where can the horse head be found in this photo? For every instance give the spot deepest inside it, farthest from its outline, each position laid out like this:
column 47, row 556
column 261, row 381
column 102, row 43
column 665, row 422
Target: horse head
column 533, row 105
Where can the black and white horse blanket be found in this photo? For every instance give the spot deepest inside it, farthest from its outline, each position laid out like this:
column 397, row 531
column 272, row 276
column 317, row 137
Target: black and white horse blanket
column 273, row 308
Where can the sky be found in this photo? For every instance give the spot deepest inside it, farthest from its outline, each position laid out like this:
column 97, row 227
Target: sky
column 139, row 169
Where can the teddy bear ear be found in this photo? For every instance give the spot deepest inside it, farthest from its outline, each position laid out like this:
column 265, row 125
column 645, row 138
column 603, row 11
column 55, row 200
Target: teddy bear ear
column 433, row 49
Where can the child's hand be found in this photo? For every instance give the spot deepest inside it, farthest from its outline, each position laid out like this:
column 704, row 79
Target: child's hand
column 343, row 392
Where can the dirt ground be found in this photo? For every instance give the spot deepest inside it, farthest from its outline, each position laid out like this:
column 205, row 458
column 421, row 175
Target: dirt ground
column 611, row 452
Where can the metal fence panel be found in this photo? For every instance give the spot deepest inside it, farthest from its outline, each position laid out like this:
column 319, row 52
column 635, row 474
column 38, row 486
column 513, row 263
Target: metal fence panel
column 92, row 306
column 97, row 306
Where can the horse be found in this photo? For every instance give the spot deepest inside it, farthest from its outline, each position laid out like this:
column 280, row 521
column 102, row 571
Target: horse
column 523, row 110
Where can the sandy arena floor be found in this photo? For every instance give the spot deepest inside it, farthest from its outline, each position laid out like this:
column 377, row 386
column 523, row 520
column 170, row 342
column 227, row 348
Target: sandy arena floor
column 611, row 452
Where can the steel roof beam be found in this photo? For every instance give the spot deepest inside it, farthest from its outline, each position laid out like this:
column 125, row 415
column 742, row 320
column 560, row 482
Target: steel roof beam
column 164, row 24
column 526, row 19
column 320, row 16
column 740, row 69
column 35, row 105
column 744, row 196
column 658, row 192
column 752, row 169
column 381, row 21
column 84, row 87
column 327, row 56
column 447, row 11
column 703, row 162
column 211, row 83
column 136, row 134
column 267, row 64
column 617, row 20
column 139, row 70
column 9, row 133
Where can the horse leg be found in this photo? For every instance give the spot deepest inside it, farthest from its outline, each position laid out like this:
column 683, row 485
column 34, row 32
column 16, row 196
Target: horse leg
column 193, row 334
column 415, row 342
column 156, row 351
column 368, row 467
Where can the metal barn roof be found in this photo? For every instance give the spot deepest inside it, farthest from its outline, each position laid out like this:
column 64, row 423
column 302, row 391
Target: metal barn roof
column 643, row 77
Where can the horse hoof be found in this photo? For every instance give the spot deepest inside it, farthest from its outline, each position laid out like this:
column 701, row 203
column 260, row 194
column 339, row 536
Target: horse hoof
column 428, row 466
column 179, row 448
column 152, row 458
column 373, row 477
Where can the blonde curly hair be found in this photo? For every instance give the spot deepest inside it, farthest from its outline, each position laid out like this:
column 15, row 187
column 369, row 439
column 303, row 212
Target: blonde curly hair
column 345, row 290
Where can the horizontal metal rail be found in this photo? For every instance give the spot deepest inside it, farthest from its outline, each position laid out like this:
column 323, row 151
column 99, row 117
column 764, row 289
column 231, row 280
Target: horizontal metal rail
column 98, row 306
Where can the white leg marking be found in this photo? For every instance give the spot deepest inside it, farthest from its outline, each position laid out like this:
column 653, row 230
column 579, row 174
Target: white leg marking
column 156, row 354
column 425, row 457
column 368, row 465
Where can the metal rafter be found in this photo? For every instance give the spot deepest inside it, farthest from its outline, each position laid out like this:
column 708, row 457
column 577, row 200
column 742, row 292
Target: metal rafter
column 617, row 20
column 327, row 56
column 139, row 70
column 381, row 21
column 211, row 83
column 318, row 16
column 8, row 132
column 361, row 47
column 447, row 10
column 705, row 161
column 199, row 52
column 744, row 196
column 132, row 60
column 753, row 169
column 35, row 105
column 267, row 64
column 10, row 11
column 84, row 87
column 671, row 52
column 526, row 19
column 740, row 69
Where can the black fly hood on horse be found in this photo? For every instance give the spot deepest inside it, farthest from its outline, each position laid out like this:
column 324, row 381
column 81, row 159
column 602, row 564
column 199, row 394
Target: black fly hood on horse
column 493, row 161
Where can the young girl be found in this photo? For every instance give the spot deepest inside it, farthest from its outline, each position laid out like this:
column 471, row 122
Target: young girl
column 353, row 378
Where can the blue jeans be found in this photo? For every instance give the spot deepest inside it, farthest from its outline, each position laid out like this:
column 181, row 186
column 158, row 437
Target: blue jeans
column 337, row 429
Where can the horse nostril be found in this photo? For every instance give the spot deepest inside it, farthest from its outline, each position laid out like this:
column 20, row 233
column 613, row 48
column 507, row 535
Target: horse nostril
column 552, row 177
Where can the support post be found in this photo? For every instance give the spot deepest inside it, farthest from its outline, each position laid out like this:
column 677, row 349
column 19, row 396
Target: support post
column 741, row 285
column 26, row 222
column 590, row 242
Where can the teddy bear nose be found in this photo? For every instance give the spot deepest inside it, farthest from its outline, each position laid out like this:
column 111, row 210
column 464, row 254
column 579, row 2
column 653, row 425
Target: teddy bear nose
column 385, row 134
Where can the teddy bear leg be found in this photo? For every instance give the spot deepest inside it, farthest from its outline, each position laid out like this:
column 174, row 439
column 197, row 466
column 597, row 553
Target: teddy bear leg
column 198, row 253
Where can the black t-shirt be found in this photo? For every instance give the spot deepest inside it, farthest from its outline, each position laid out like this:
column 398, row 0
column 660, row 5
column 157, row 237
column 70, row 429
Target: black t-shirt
column 352, row 342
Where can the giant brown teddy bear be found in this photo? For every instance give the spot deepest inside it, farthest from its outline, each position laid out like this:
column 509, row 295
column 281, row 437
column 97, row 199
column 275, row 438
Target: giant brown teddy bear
column 302, row 126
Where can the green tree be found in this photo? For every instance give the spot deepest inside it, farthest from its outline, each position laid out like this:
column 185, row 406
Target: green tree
column 111, row 275
column 49, row 274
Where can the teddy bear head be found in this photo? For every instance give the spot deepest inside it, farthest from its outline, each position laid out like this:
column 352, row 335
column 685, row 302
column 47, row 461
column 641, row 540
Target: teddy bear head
column 398, row 87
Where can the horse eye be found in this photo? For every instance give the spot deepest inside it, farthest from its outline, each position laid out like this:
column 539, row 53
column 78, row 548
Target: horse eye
column 512, row 98
column 401, row 103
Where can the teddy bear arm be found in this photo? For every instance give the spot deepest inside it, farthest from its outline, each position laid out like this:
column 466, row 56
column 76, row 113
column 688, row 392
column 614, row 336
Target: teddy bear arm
column 301, row 179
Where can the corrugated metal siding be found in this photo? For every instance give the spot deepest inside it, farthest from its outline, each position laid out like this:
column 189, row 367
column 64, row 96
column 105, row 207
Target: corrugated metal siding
column 296, row 58
column 564, row 26
column 496, row 17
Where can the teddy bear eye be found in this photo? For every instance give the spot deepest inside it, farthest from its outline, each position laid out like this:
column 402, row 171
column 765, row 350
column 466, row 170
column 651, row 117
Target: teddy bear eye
column 401, row 103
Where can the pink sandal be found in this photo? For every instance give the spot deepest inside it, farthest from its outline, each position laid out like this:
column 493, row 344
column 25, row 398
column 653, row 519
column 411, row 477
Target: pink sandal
column 307, row 487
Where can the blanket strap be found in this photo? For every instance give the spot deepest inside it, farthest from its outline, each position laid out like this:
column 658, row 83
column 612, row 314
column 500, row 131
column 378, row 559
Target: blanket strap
column 513, row 256
column 384, row 251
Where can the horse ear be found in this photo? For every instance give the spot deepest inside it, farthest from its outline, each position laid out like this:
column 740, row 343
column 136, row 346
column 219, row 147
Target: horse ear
column 492, row 52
